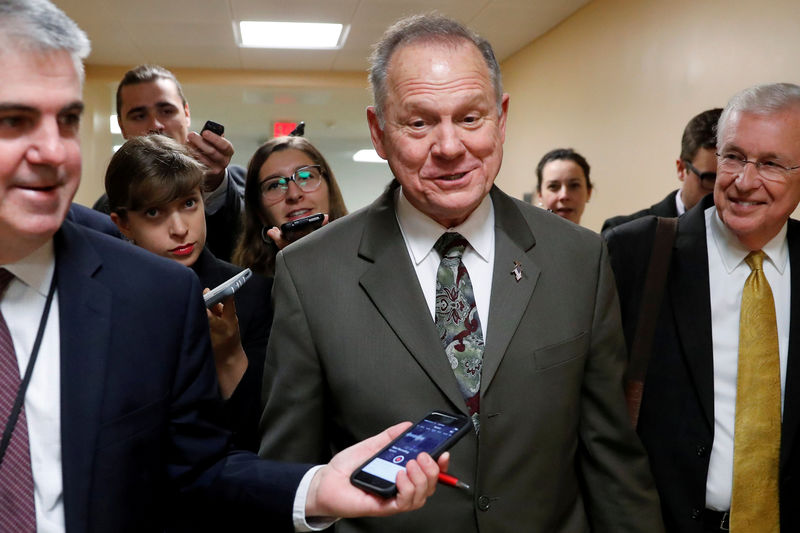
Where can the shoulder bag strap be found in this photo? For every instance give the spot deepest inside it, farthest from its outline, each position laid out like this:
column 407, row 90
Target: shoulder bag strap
column 652, row 294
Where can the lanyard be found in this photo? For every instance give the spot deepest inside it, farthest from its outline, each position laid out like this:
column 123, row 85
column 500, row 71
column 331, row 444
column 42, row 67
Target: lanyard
column 23, row 386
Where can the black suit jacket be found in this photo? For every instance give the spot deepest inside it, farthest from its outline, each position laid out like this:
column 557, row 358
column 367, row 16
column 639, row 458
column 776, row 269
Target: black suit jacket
column 242, row 410
column 664, row 208
column 137, row 386
column 676, row 422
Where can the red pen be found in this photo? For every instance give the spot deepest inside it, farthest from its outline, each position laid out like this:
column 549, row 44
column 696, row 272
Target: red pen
column 447, row 479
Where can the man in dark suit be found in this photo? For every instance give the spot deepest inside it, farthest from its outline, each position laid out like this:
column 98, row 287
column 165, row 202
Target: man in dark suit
column 150, row 100
column 114, row 418
column 697, row 167
column 92, row 219
column 693, row 412
column 358, row 339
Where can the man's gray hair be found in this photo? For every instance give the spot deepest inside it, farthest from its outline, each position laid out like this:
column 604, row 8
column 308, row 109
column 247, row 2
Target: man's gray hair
column 39, row 26
column 763, row 99
column 426, row 28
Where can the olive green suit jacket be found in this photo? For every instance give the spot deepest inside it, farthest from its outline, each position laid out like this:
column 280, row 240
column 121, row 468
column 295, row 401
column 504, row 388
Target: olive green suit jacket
column 353, row 349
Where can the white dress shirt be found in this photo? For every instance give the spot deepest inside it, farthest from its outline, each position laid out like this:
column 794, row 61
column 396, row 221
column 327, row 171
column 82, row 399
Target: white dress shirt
column 727, row 274
column 421, row 232
column 680, row 207
column 22, row 308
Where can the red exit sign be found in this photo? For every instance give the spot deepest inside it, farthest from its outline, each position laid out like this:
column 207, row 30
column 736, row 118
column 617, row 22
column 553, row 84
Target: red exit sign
column 279, row 129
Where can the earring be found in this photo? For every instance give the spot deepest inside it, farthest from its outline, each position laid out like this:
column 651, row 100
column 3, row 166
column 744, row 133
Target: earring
column 264, row 237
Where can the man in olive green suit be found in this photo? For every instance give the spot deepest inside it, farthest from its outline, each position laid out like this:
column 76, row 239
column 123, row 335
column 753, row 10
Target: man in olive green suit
column 355, row 343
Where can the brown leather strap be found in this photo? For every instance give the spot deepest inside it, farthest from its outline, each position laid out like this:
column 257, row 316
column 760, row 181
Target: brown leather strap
column 652, row 294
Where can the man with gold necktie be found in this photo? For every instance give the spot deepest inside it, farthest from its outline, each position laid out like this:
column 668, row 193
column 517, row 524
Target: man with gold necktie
column 721, row 409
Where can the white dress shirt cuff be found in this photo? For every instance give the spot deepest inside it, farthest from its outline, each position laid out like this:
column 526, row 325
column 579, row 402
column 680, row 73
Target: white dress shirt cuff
column 301, row 522
column 215, row 200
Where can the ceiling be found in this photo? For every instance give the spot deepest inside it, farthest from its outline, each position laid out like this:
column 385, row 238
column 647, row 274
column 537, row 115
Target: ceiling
column 199, row 34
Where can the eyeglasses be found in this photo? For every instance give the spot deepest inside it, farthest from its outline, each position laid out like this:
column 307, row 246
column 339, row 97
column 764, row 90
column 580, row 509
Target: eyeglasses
column 308, row 178
column 707, row 179
column 734, row 163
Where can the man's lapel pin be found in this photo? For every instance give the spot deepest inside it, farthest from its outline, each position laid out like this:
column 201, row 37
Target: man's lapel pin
column 517, row 271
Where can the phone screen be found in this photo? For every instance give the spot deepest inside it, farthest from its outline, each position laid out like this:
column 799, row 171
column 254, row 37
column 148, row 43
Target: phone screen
column 424, row 437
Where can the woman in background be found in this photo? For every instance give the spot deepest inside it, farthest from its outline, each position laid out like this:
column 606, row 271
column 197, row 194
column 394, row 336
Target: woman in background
column 563, row 184
column 154, row 188
column 287, row 179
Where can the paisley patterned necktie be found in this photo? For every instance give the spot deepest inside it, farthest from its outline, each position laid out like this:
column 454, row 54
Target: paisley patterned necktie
column 457, row 320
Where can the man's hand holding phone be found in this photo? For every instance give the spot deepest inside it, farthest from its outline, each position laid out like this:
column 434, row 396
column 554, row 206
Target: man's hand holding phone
column 331, row 493
column 213, row 150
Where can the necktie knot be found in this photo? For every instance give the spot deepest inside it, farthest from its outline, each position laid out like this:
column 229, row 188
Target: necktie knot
column 755, row 260
column 5, row 279
column 451, row 245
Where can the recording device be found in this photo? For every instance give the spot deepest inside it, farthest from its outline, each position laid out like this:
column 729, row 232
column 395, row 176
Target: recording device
column 433, row 434
column 222, row 291
column 298, row 130
column 301, row 227
column 213, row 127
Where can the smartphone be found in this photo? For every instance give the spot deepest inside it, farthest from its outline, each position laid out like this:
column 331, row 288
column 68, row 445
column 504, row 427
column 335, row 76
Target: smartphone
column 298, row 130
column 213, row 127
column 301, row 227
column 222, row 291
column 433, row 434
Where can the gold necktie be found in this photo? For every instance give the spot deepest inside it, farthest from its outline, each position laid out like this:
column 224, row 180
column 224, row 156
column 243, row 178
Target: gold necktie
column 757, row 433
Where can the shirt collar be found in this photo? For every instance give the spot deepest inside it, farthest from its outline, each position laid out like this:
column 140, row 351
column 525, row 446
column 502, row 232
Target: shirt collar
column 680, row 207
column 421, row 232
column 36, row 270
column 733, row 252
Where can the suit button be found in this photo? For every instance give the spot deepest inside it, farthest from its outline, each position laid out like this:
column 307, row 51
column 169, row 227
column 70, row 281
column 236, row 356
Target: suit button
column 702, row 450
column 696, row 514
column 484, row 503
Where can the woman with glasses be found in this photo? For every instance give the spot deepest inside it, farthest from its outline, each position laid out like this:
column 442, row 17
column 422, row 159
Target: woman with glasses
column 154, row 187
column 562, row 183
column 287, row 179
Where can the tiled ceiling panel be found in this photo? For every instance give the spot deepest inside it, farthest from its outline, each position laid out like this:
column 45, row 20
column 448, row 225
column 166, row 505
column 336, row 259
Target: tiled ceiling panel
column 200, row 33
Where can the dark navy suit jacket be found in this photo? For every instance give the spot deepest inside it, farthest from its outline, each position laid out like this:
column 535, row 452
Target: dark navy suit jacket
column 137, row 389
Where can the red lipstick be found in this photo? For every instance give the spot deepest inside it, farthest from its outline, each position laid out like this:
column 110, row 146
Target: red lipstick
column 185, row 249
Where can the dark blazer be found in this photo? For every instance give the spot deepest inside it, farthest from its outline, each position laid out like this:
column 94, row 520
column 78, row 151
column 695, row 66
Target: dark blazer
column 137, row 386
column 676, row 422
column 242, row 410
column 224, row 226
column 664, row 208
column 354, row 349
column 93, row 219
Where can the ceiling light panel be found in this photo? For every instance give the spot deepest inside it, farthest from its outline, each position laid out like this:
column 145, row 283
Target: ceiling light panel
column 299, row 35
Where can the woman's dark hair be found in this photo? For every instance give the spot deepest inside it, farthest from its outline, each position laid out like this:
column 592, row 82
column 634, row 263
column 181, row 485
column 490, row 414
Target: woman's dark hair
column 562, row 153
column 150, row 171
column 252, row 250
